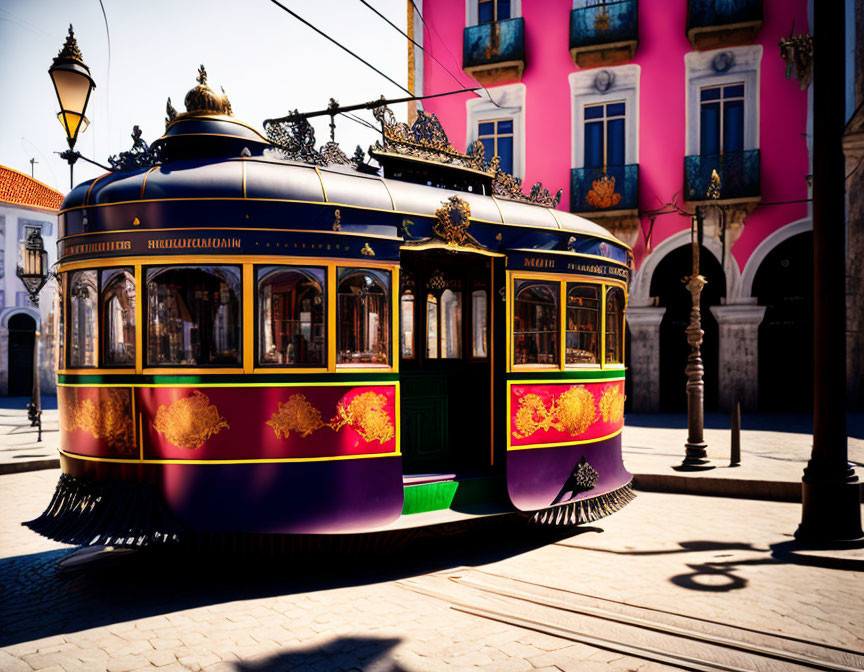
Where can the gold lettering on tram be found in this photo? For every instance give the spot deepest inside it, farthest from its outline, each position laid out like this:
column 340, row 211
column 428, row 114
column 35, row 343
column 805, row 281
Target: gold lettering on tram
column 194, row 243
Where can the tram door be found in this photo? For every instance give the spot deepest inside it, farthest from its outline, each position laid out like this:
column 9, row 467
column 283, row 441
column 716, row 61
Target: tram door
column 445, row 365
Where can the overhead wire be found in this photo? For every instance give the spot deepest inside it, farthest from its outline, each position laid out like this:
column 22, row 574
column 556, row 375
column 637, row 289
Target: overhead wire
column 414, row 42
column 340, row 45
column 432, row 28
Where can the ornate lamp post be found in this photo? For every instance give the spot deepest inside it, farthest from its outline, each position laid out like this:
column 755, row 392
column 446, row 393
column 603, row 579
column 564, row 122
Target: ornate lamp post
column 73, row 85
column 696, row 457
column 32, row 269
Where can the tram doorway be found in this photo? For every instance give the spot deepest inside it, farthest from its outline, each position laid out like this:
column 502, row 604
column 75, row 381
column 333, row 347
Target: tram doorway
column 445, row 362
column 22, row 340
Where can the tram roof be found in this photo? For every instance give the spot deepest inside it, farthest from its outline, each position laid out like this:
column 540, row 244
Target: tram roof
column 271, row 179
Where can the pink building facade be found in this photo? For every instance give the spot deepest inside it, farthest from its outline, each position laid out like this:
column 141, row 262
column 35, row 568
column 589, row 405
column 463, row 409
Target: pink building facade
column 628, row 107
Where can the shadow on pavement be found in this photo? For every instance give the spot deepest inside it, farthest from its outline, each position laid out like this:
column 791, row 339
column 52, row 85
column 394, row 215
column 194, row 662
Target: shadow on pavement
column 796, row 423
column 349, row 653
column 41, row 598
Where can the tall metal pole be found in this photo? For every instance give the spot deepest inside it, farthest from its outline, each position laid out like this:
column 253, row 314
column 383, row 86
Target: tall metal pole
column 696, row 457
column 831, row 509
column 35, row 408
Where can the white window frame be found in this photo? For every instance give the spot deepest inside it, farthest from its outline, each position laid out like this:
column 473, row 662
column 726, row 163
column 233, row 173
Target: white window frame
column 472, row 11
column 509, row 104
column 583, row 92
column 700, row 74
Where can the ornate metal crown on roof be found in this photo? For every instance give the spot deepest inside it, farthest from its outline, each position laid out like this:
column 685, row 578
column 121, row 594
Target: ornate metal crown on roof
column 201, row 100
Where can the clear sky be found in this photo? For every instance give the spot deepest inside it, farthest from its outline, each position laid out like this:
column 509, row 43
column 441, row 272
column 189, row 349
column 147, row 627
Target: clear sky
column 267, row 62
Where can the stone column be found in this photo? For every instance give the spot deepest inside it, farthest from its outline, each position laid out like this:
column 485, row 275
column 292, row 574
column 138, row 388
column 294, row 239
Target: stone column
column 739, row 354
column 644, row 324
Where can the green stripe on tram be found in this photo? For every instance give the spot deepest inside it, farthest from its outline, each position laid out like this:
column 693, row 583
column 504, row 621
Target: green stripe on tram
column 224, row 379
column 586, row 376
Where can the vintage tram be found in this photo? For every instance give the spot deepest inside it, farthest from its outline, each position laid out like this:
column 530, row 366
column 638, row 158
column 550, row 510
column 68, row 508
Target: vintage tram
column 259, row 336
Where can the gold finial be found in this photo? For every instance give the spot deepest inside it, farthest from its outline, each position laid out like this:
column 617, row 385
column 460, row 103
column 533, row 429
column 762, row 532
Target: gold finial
column 203, row 100
column 70, row 50
column 714, row 189
column 202, row 75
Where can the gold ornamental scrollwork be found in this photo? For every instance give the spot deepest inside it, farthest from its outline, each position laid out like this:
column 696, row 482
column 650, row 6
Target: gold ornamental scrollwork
column 603, row 194
column 573, row 411
column 366, row 413
column 105, row 418
column 612, row 404
column 295, row 415
column 189, row 422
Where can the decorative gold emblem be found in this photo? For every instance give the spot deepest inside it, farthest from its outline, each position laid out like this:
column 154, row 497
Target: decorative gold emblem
column 367, row 251
column 366, row 414
column 295, row 415
column 109, row 419
column 573, row 411
column 337, row 220
column 612, row 404
column 189, row 422
column 452, row 223
column 602, row 194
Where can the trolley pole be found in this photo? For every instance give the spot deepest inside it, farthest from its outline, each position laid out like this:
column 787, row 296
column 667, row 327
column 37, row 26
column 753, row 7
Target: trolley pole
column 696, row 457
column 831, row 509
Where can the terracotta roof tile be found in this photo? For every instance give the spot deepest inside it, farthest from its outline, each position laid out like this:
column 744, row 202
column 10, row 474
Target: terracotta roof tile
column 20, row 189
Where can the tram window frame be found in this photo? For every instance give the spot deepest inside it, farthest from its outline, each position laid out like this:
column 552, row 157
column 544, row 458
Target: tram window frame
column 68, row 320
column 620, row 345
column 518, row 284
column 60, row 310
column 103, row 339
column 407, row 288
column 384, row 276
column 598, row 289
column 260, row 273
column 146, row 271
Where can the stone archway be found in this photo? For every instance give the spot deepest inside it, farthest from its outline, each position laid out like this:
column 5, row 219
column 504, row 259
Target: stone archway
column 783, row 284
column 667, row 286
column 10, row 318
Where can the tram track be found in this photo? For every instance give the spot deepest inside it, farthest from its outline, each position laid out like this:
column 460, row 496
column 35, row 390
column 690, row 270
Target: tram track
column 659, row 636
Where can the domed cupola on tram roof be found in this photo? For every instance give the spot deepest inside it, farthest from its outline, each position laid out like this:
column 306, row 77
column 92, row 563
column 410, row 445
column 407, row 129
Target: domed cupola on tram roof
column 207, row 129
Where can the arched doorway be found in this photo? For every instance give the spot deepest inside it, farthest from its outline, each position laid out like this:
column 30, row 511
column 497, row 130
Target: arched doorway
column 22, row 339
column 784, row 285
column 667, row 285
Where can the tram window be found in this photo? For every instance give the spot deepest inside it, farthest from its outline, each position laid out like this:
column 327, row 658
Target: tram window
column 451, row 324
column 118, row 317
column 615, row 326
column 431, row 326
column 83, row 319
column 193, row 316
column 583, row 324
column 60, row 312
column 480, row 326
column 363, row 317
column 535, row 322
column 406, row 308
column 291, row 313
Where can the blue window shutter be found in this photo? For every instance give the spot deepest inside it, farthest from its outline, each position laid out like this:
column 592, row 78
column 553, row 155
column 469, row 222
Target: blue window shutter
column 733, row 126
column 709, row 129
column 615, row 142
column 594, row 144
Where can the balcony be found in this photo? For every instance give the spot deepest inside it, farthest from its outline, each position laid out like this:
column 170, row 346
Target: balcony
column 609, row 197
column 739, row 177
column 712, row 24
column 604, row 33
column 493, row 53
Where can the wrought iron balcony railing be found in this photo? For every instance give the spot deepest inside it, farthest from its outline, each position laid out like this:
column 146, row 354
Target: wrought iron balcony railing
column 604, row 22
column 490, row 43
column 597, row 190
column 717, row 23
column 738, row 171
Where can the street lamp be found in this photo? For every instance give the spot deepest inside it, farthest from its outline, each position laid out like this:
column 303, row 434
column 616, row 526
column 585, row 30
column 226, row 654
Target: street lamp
column 696, row 456
column 33, row 272
column 73, row 85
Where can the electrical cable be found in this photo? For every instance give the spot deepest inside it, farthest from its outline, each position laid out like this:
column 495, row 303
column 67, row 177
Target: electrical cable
column 338, row 44
column 107, row 72
column 432, row 28
column 412, row 41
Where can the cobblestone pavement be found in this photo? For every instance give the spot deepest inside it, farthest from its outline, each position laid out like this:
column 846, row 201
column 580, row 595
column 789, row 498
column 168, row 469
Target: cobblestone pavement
column 723, row 559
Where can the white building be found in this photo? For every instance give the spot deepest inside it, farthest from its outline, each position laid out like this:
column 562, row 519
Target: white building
column 26, row 203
